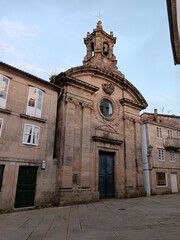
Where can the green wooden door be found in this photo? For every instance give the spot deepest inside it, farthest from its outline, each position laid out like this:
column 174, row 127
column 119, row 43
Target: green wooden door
column 26, row 186
column 106, row 174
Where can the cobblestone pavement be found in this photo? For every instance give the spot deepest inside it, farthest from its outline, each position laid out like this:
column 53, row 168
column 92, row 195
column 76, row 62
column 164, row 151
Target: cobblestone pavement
column 149, row 218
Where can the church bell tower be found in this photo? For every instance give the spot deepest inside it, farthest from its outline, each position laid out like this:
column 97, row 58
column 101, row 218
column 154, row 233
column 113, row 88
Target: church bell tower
column 99, row 46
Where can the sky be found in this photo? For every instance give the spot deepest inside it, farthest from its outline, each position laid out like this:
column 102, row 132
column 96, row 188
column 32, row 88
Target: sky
column 45, row 37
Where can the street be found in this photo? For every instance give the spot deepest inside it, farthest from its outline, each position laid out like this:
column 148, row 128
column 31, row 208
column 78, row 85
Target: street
column 145, row 218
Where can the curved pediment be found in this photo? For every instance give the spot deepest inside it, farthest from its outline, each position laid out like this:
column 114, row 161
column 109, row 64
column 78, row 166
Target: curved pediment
column 130, row 96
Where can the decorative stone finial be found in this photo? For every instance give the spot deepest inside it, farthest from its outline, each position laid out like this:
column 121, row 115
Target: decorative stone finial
column 111, row 33
column 99, row 25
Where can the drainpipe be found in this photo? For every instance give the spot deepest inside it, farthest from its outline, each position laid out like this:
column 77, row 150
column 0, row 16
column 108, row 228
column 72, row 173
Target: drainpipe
column 124, row 137
column 145, row 159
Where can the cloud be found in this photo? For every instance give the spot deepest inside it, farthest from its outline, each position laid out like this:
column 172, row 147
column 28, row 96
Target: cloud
column 9, row 49
column 14, row 29
column 157, row 98
column 43, row 72
column 164, row 103
column 19, row 43
column 32, row 68
column 162, row 98
column 16, row 38
column 57, row 70
column 67, row 63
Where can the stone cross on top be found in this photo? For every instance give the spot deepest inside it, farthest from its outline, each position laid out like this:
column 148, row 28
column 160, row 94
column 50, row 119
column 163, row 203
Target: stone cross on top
column 99, row 16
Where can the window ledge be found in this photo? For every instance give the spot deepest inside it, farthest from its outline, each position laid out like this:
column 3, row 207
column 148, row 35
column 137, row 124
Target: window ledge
column 30, row 144
column 33, row 118
column 159, row 186
column 7, row 111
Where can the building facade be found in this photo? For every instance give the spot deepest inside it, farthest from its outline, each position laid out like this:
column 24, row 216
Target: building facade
column 28, row 107
column 98, row 145
column 76, row 139
column 161, row 167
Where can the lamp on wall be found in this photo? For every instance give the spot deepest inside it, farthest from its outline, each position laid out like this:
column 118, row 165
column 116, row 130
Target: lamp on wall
column 43, row 165
column 149, row 150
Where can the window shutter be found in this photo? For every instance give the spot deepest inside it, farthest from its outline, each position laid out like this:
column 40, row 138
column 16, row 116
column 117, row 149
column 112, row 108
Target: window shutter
column 34, row 104
column 4, row 84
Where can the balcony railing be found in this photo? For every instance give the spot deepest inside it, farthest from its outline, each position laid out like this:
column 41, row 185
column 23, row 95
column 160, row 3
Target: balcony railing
column 172, row 143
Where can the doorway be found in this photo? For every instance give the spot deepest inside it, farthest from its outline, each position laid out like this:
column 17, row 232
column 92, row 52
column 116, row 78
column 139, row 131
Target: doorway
column 174, row 183
column 26, row 186
column 106, row 174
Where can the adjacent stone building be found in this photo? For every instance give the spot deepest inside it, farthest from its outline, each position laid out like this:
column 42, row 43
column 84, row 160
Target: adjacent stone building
column 161, row 167
column 98, row 143
column 28, row 107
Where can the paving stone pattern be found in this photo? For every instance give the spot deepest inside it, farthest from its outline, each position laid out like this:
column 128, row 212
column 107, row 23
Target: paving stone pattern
column 150, row 218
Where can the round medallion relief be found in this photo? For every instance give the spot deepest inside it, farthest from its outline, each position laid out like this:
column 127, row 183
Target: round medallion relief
column 106, row 108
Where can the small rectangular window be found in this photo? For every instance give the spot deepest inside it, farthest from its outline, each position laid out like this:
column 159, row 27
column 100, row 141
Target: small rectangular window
column 161, row 154
column 34, row 104
column 1, row 125
column 170, row 133
column 4, row 84
column 31, row 134
column 158, row 132
column 172, row 156
column 1, row 175
column 161, row 179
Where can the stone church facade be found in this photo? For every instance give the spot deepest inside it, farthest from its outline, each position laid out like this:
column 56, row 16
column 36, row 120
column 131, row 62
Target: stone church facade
column 98, row 144
column 76, row 139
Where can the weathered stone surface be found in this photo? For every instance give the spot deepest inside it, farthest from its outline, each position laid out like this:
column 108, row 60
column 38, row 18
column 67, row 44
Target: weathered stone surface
column 87, row 132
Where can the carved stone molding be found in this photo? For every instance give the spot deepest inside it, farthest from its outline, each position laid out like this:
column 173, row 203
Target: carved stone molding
column 77, row 102
column 107, row 140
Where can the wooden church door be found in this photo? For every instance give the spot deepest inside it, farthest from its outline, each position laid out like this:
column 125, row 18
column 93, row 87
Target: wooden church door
column 106, row 174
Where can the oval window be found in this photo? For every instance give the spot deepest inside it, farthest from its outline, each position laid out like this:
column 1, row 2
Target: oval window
column 106, row 108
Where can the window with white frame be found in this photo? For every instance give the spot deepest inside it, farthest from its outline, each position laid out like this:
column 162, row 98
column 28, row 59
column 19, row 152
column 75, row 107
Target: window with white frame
column 161, row 154
column 1, row 124
column 178, row 134
column 34, row 104
column 4, row 84
column 161, row 179
column 31, row 134
column 159, row 132
column 172, row 156
column 170, row 133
